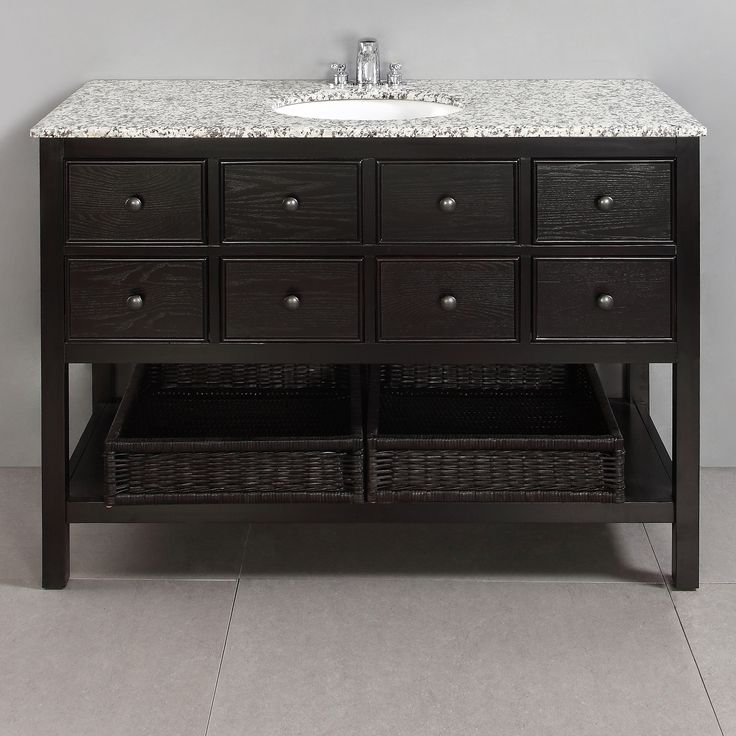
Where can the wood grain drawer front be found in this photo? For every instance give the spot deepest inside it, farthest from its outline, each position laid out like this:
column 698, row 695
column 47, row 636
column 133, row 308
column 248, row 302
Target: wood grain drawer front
column 281, row 300
column 135, row 202
column 604, row 298
column 595, row 201
column 290, row 202
column 448, row 202
column 129, row 299
column 446, row 300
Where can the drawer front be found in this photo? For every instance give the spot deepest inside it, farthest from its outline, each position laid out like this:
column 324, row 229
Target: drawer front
column 604, row 298
column 134, row 202
column 447, row 300
column 448, row 202
column 281, row 300
column 290, row 202
column 129, row 299
column 604, row 201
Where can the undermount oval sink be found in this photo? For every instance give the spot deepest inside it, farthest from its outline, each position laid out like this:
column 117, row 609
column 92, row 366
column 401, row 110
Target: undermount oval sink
column 367, row 109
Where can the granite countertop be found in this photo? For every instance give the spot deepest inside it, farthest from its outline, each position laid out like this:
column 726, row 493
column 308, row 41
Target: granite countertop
column 186, row 108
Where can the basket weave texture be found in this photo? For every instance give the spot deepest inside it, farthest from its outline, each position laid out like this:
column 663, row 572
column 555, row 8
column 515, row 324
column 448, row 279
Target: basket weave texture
column 492, row 433
column 237, row 434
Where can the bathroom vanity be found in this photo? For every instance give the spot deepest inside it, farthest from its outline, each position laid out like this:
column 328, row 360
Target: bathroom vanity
column 542, row 222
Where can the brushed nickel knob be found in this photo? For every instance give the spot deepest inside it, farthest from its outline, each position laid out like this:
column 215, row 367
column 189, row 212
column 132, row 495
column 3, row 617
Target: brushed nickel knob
column 290, row 204
column 605, row 302
column 134, row 302
column 292, row 302
column 134, row 204
column 448, row 204
column 604, row 203
column 448, row 302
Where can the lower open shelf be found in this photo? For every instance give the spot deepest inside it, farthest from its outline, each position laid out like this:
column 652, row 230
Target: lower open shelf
column 648, row 492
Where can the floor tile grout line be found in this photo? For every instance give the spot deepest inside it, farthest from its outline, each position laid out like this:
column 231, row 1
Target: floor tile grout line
column 684, row 633
column 222, row 657
column 227, row 632
column 348, row 577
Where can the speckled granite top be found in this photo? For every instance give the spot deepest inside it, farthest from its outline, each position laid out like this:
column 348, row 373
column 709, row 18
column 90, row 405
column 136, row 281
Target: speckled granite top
column 488, row 109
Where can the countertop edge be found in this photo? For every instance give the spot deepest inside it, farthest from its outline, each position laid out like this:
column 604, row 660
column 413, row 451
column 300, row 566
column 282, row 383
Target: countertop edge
column 45, row 134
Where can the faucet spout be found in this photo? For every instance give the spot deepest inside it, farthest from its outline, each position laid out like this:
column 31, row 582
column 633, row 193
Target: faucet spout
column 368, row 63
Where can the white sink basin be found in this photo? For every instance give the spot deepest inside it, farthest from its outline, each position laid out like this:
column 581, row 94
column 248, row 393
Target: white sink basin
column 367, row 109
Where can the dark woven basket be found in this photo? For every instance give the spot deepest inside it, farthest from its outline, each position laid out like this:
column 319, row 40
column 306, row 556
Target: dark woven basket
column 237, row 434
column 492, row 433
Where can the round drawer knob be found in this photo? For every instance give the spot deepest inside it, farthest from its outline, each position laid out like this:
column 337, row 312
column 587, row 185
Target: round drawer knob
column 134, row 204
column 448, row 303
column 604, row 203
column 134, row 302
column 292, row 302
column 448, row 204
column 290, row 204
column 605, row 302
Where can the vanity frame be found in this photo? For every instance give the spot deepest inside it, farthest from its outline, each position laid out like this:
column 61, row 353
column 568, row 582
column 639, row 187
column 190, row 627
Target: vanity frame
column 658, row 489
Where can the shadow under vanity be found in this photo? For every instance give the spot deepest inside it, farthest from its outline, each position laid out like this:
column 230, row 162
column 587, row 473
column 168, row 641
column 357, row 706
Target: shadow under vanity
column 370, row 322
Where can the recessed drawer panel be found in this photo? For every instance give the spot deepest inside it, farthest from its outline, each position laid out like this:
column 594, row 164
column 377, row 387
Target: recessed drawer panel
column 604, row 298
column 450, row 202
column 445, row 300
column 278, row 300
column 290, row 202
column 595, row 201
column 136, row 299
column 134, row 202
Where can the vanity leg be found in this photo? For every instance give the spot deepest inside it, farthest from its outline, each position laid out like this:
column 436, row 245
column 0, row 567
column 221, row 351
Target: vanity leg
column 54, row 454
column 686, row 476
column 54, row 372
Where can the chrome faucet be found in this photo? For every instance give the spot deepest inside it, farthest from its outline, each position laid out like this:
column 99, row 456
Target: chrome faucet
column 368, row 65
column 368, row 68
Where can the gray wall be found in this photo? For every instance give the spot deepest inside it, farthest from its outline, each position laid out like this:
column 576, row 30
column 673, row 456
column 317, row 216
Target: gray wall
column 48, row 48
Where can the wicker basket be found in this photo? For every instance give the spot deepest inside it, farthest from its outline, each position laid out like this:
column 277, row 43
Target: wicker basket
column 237, row 434
column 492, row 433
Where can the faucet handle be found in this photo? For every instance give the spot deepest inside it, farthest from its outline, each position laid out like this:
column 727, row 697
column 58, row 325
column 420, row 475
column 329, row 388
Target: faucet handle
column 339, row 76
column 394, row 74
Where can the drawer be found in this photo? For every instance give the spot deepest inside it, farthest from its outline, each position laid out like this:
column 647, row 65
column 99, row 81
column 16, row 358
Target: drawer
column 604, row 298
column 603, row 201
column 278, row 300
column 448, row 202
column 290, row 202
column 446, row 300
column 127, row 299
column 134, row 202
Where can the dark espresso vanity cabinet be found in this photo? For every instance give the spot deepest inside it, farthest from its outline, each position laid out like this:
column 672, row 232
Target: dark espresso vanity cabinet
column 407, row 247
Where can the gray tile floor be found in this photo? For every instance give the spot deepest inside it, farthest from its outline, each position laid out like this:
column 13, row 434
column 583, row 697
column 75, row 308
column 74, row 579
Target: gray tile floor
column 366, row 630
